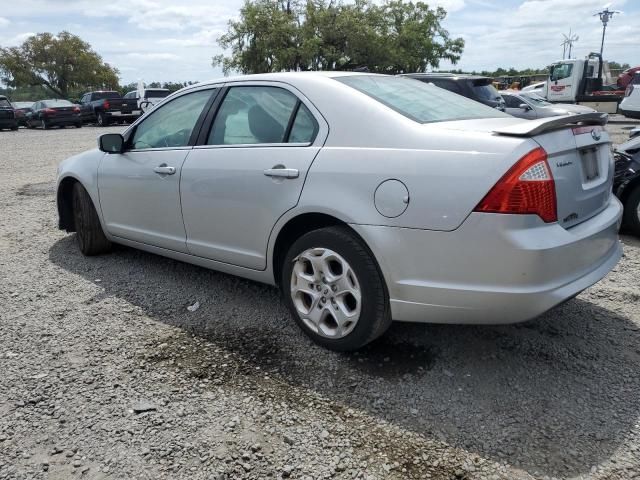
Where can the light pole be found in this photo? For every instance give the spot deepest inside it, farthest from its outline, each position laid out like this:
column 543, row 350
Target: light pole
column 605, row 15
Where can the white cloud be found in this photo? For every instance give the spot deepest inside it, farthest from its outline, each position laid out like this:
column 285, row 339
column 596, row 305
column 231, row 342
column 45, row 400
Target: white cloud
column 4, row 22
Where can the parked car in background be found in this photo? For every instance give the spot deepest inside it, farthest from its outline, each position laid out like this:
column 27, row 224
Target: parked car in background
column 7, row 115
column 107, row 107
column 537, row 88
column 630, row 105
column 529, row 105
column 53, row 113
column 626, row 183
column 475, row 87
column 21, row 109
column 625, row 78
column 149, row 97
column 465, row 214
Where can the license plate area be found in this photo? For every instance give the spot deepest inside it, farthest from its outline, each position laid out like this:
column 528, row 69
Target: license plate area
column 590, row 164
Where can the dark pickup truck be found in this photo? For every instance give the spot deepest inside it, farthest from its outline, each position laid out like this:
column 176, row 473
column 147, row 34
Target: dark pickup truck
column 106, row 107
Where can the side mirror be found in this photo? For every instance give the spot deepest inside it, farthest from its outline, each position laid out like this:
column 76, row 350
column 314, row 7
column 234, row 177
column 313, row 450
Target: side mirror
column 524, row 106
column 111, row 143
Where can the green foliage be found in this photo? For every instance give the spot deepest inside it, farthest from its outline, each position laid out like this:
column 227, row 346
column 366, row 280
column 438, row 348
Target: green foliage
column 63, row 63
column 392, row 37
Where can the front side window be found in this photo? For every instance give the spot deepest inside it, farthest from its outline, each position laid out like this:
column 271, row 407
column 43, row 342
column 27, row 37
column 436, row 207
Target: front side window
column 421, row 102
column 511, row 101
column 251, row 115
column 560, row 71
column 172, row 124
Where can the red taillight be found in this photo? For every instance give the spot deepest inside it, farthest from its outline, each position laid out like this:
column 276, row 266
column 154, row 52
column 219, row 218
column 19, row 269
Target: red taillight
column 76, row 109
column 628, row 91
column 527, row 188
column 106, row 105
column 49, row 111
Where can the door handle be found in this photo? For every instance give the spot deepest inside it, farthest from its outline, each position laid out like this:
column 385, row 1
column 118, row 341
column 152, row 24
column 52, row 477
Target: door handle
column 165, row 170
column 282, row 172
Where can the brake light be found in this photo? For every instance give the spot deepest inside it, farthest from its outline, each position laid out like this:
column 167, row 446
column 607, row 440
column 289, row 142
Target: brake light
column 106, row 105
column 49, row 111
column 628, row 91
column 527, row 188
column 76, row 109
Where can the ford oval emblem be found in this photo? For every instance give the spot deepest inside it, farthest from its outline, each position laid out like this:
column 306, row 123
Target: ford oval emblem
column 595, row 134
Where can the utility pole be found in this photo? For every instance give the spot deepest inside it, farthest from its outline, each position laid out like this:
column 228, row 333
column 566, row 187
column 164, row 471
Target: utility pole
column 605, row 15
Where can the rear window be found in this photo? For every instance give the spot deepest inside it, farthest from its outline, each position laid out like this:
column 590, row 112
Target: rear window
column 419, row 101
column 22, row 104
column 484, row 90
column 636, row 79
column 156, row 93
column 105, row 95
column 57, row 103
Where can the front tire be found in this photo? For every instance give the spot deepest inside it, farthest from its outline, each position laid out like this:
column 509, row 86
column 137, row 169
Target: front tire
column 632, row 211
column 334, row 289
column 89, row 234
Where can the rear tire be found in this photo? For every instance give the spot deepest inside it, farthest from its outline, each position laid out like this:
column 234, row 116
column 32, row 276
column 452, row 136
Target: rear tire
column 79, row 125
column 102, row 120
column 632, row 211
column 89, row 234
column 339, row 297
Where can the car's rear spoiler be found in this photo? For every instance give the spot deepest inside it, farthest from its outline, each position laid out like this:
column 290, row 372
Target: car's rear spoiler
column 529, row 128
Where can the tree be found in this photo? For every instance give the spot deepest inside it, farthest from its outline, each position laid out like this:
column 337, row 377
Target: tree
column 62, row 63
column 393, row 37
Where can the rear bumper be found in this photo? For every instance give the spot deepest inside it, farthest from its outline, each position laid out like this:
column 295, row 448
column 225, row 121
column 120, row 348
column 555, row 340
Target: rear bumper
column 64, row 121
column 494, row 269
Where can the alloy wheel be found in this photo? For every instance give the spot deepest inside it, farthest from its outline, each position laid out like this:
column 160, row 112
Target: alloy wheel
column 325, row 292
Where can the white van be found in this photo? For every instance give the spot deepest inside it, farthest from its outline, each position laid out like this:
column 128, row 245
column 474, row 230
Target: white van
column 630, row 105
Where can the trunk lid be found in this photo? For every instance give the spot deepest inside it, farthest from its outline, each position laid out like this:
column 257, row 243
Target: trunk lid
column 579, row 156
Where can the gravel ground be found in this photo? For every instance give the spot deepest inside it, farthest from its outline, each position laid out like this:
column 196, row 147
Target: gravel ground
column 105, row 373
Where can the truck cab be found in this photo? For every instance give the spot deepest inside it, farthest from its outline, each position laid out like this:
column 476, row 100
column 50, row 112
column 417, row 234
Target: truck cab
column 581, row 81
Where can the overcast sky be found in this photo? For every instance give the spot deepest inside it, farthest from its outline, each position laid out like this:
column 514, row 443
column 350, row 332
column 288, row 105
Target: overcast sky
column 167, row 40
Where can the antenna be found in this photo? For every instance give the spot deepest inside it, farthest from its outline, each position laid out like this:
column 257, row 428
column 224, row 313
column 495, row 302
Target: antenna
column 605, row 15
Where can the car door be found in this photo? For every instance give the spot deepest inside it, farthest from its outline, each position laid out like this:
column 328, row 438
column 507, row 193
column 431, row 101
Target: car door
column 139, row 189
column 248, row 170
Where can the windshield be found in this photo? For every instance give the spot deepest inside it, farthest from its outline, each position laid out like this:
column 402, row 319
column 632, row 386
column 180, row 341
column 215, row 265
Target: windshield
column 560, row 71
column 57, row 103
column 421, row 102
column 535, row 99
column 103, row 95
column 485, row 91
column 156, row 93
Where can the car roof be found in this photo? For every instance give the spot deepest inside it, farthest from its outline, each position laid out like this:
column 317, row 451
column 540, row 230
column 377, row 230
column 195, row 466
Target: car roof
column 283, row 77
column 453, row 76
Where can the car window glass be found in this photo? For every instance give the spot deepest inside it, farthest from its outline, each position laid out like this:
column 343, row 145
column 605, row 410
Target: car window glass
column 447, row 85
column 304, row 126
column 250, row 115
column 563, row 70
column 636, row 79
column 511, row 101
column 421, row 102
column 4, row 102
column 172, row 124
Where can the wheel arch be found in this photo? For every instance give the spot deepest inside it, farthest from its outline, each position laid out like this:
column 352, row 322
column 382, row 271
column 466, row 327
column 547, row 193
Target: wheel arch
column 64, row 200
column 299, row 225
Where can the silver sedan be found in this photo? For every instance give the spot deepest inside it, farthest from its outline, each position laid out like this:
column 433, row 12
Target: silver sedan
column 529, row 105
column 366, row 198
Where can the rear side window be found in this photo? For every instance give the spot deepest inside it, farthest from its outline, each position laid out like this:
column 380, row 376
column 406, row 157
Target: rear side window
column 253, row 115
column 419, row 101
